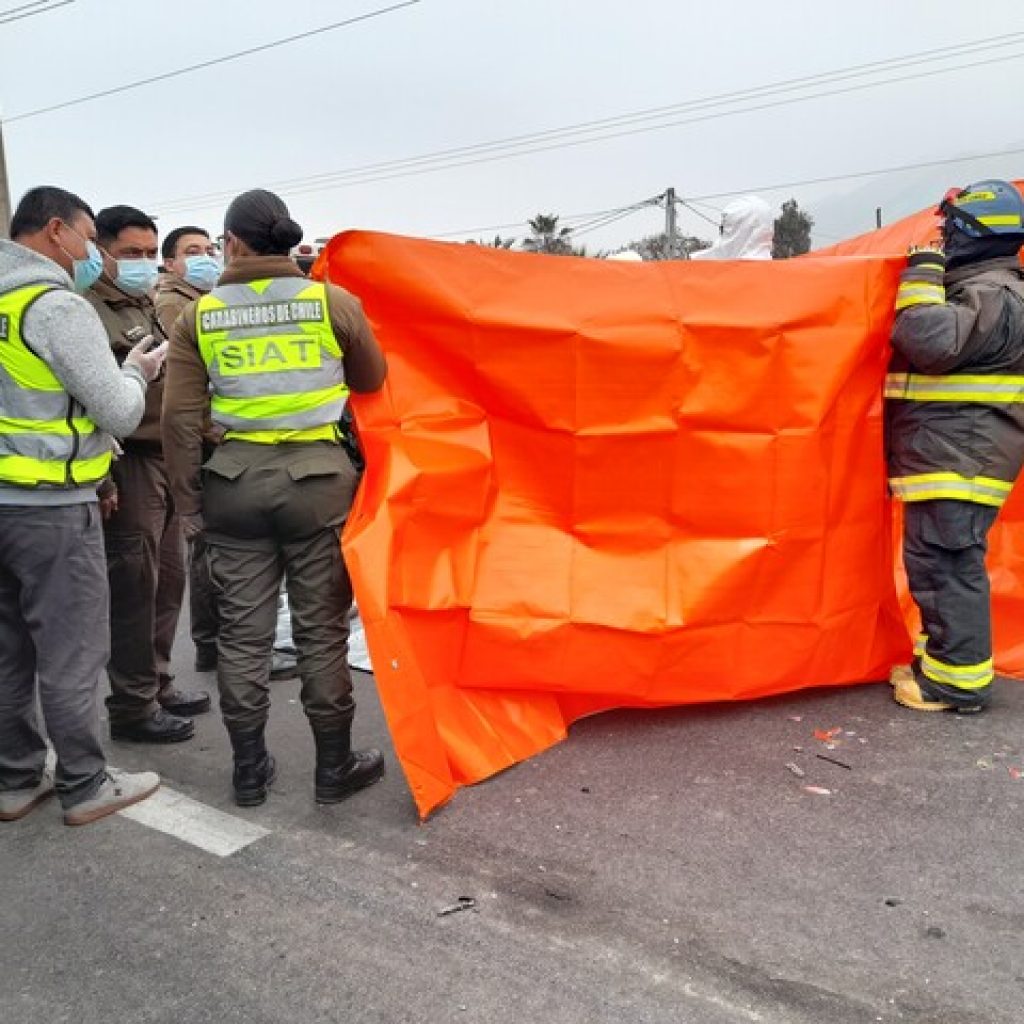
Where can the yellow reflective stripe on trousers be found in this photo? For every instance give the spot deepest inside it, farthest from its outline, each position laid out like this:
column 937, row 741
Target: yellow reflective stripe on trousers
column 964, row 677
column 982, row 490
column 920, row 644
column 959, row 387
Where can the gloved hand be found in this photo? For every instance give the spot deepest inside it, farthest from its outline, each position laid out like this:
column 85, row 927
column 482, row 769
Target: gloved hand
column 922, row 282
column 149, row 361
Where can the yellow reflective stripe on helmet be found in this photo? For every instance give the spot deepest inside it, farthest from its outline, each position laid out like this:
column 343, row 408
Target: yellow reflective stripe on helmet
column 964, row 677
column 919, row 387
column 981, row 490
column 1000, row 220
column 16, row 425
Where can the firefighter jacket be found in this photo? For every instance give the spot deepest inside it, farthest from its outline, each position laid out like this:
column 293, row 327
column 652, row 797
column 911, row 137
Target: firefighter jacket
column 955, row 389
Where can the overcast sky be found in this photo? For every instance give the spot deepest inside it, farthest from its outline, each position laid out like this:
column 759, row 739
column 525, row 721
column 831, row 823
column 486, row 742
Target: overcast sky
column 447, row 74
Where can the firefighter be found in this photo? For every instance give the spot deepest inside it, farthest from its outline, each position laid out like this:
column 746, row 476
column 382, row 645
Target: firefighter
column 272, row 356
column 955, row 434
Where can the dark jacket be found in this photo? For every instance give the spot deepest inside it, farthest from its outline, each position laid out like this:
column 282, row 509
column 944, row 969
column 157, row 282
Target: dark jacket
column 955, row 388
column 121, row 313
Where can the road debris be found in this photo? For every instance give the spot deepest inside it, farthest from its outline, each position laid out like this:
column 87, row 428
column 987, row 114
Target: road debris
column 832, row 760
column 796, row 769
column 463, row 903
column 827, row 735
column 818, row 790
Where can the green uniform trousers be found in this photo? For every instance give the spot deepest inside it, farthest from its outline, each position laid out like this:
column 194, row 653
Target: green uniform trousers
column 273, row 512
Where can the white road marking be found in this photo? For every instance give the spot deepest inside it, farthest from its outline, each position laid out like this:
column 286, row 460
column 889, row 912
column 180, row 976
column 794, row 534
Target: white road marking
column 186, row 819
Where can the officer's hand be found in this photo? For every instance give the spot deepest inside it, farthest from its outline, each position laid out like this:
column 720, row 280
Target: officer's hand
column 922, row 282
column 148, row 360
column 108, row 504
column 192, row 526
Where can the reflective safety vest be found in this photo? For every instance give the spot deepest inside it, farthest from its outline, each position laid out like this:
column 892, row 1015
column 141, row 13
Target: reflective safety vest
column 274, row 364
column 46, row 440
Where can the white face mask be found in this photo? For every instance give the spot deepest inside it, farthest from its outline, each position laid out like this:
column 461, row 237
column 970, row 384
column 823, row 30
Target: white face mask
column 136, row 277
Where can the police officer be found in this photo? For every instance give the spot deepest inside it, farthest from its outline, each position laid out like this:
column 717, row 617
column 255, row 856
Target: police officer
column 272, row 356
column 955, row 429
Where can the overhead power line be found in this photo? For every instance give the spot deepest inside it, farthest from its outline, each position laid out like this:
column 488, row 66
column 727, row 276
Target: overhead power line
column 42, row 7
column 210, row 63
column 638, row 122
column 702, row 200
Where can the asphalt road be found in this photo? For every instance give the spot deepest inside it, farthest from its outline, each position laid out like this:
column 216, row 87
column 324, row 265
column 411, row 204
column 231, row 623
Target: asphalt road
column 657, row 867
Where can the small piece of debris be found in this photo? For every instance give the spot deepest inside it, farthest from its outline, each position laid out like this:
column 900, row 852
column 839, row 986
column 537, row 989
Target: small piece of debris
column 893, row 901
column 832, row 760
column 584, row 789
column 463, row 903
column 826, row 735
column 1015, row 773
column 796, row 718
column 983, row 763
column 819, row 790
column 934, row 932
column 795, row 769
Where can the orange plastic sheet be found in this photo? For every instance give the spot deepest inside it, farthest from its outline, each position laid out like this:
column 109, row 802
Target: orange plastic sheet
column 600, row 484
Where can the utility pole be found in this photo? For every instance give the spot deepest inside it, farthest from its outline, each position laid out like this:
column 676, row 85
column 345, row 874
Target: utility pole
column 5, row 191
column 670, row 222
column 878, row 216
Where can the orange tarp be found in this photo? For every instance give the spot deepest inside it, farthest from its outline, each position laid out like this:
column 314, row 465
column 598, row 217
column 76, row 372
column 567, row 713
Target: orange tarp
column 598, row 484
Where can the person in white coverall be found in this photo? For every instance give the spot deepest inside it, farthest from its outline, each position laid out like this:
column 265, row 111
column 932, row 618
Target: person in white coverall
column 747, row 232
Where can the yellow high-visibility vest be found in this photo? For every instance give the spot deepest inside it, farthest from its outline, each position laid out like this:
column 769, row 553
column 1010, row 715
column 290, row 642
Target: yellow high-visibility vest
column 274, row 364
column 46, row 439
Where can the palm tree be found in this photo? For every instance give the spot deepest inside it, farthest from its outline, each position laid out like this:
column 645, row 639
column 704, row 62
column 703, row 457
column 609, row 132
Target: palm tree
column 546, row 236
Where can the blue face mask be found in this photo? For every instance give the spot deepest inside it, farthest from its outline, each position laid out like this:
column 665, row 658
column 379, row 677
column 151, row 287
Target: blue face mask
column 136, row 277
column 202, row 271
column 86, row 272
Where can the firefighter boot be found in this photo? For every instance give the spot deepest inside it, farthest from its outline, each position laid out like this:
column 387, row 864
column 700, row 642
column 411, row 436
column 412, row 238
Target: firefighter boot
column 254, row 768
column 919, row 694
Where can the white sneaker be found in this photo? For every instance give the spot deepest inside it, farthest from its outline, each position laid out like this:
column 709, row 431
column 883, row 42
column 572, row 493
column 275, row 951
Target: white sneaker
column 119, row 790
column 16, row 803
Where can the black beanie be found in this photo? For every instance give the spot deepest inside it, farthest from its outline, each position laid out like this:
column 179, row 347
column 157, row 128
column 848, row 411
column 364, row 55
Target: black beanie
column 261, row 220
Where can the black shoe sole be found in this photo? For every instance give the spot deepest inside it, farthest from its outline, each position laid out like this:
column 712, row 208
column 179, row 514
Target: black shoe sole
column 335, row 796
column 160, row 738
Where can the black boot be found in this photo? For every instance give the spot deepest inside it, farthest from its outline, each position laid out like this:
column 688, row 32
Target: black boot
column 340, row 770
column 255, row 769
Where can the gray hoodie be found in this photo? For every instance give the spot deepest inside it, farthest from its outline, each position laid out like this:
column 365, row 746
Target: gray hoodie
column 64, row 331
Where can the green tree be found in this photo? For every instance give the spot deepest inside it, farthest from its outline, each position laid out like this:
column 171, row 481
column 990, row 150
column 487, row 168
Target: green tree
column 656, row 247
column 547, row 237
column 496, row 243
column 792, row 232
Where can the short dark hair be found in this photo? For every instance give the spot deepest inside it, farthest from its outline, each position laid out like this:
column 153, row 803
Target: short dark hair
column 114, row 219
column 171, row 241
column 40, row 205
